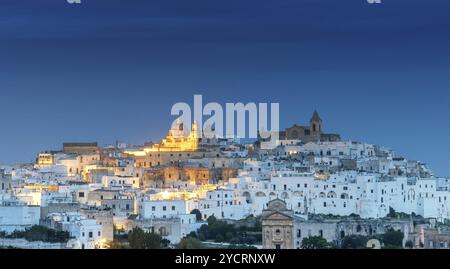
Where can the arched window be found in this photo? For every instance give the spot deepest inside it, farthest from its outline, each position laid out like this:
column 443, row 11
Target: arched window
column 331, row 194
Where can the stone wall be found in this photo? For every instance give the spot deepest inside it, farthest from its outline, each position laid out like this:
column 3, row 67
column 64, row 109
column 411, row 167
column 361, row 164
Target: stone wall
column 24, row 244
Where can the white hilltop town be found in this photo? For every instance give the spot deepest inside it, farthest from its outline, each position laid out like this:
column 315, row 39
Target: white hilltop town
column 314, row 190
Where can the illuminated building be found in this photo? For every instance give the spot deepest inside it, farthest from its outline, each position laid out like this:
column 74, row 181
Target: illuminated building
column 45, row 159
column 177, row 146
column 176, row 141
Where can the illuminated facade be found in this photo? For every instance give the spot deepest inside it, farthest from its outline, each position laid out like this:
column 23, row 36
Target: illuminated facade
column 45, row 160
column 176, row 141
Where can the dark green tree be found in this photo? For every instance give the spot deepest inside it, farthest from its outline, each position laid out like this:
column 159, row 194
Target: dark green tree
column 315, row 242
column 138, row 239
column 354, row 242
column 211, row 220
column 393, row 239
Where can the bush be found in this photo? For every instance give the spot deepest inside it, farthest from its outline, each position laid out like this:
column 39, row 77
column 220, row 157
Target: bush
column 241, row 247
column 219, row 238
column 42, row 233
column 190, row 243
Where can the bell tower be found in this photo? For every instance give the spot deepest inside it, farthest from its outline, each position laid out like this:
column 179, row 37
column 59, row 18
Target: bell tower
column 315, row 124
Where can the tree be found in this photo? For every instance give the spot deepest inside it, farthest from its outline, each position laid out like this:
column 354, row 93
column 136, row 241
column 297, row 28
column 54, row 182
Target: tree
column 315, row 242
column 192, row 234
column 354, row 242
column 42, row 233
column 152, row 241
column 211, row 220
column 392, row 213
column 190, row 243
column 198, row 214
column 138, row 239
column 393, row 239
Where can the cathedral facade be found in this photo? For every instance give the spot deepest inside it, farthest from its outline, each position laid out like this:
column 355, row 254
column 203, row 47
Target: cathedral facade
column 278, row 226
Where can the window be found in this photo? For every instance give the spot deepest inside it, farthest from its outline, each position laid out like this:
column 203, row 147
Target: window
column 164, row 208
column 173, row 208
column 277, row 246
column 299, row 233
column 153, row 208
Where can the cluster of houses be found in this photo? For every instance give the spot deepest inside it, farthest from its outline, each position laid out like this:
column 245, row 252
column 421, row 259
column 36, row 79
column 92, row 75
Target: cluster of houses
column 97, row 192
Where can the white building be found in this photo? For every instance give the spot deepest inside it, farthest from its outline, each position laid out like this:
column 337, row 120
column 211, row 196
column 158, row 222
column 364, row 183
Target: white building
column 164, row 208
column 18, row 216
column 120, row 182
column 87, row 232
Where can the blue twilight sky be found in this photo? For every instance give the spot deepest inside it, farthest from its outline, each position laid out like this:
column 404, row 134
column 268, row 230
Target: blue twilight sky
column 110, row 69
